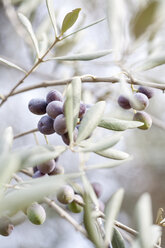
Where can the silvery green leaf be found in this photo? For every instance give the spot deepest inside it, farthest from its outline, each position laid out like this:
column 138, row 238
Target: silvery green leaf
column 39, row 154
column 111, row 212
column 9, row 164
column 83, row 56
column 102, row 144
column 51, row 11
column 117, row 240
column 144, row 18
column 32, row 190
column 81, row 29
column 113, row 154
column 69, row 20
column 118, row 125
column 76, row 91
column 106, row 165
column 116, row 16
column 6, row 141
column 90, row 120
column 6, row 62
column 69, row 112
column 143, row 213
column 151, row 63
column 89, row 221
column 29, row 29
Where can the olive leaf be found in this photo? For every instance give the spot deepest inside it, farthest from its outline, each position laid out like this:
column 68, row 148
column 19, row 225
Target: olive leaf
column 76, row 91
column 51, row 12
column 143, row 214
column 107, row 165
column 113, row 154
column 83, row 28
column 82, row 56
column 32, row 191
column 102, row 144
column 90, row 120
column 6, row 141
column 117, row 240
column 69, row 20
column 33, row 156
column 6, row 62
column 111, row 212
column 151, row 63
column 117, row 124
column 68, row 109
column 24, row 20
column 144, row 18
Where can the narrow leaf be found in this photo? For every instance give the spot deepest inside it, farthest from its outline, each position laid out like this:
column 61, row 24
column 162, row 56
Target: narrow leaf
column 106, row 165
column 6, row 141
column 117, row 240
column 51, row 12
column 116, row 17
column 69, row 20
column 69, row 112
column 83, row 56
column 33, row 190
column 151, row 63
column 111, row 212
column 76, row 91
column 39, row 154
column 83, row 28
column 113, row 154
column 6, row 62
column 90, row 120
column 29, row 29
column 143, row 214
column 118, row 125
column 102, row 144
column 144, row 18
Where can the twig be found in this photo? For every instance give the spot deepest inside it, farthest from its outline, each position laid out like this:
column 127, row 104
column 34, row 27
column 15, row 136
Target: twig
column 25, row 133
column 86, row 79
column 39, row 61
column 65, row 215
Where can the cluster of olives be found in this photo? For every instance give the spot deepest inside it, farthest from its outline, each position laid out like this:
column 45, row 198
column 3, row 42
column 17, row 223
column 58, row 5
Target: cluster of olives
column 139, row 102
column 74, row 201
column 55, row 120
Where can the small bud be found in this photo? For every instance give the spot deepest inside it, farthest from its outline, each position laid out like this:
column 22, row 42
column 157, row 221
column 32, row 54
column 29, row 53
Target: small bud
column 65, row 195
column 36, row 213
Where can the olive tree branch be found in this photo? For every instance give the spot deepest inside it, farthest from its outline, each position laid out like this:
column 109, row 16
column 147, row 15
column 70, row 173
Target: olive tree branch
column 86, row 79
column 39, row 61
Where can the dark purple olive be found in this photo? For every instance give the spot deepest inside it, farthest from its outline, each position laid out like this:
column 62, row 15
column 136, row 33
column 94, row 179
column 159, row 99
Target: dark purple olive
column 45, row 125
column 37, row 106
column 146, row 91
column 54, row 95
column 124, row 102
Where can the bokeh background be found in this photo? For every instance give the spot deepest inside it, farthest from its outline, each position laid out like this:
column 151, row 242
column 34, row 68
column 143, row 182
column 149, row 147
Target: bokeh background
column 145, row 173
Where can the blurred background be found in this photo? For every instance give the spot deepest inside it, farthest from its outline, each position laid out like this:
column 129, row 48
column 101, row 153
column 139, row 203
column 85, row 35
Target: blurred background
column 145, row 173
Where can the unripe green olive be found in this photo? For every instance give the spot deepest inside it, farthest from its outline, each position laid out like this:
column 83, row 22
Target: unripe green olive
column 74, row 207
column 6, row 226
column 65, row 195
column 36, row 213
column 145, row 118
